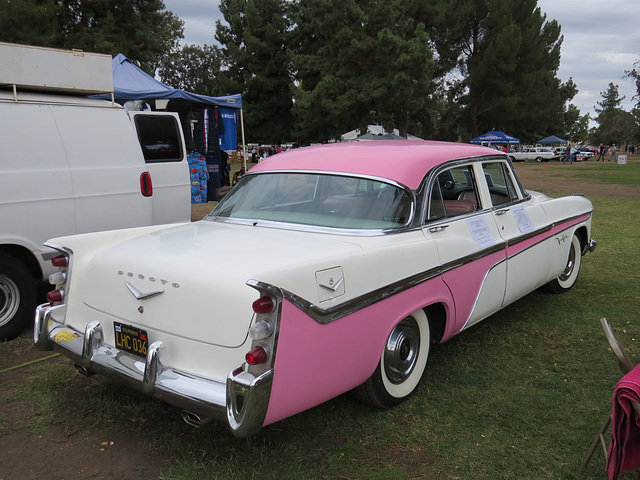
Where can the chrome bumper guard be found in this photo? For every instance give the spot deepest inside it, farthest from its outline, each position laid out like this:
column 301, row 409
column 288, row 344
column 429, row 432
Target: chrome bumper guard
column 242, row 401
column 590, row 247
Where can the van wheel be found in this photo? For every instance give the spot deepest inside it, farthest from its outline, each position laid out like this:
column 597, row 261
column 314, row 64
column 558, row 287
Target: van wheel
column 401, row 365
column 17, row 297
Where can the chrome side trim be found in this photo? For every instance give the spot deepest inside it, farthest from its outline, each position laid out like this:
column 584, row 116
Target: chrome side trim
column 328, row 315
column 540, row 231
column 529, row 235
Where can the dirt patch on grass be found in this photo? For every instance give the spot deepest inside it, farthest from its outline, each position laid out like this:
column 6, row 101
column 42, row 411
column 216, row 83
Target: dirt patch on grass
column 60, row 453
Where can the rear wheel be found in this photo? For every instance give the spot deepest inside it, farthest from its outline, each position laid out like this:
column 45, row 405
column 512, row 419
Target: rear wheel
column 569, row 276
column 17, row 297
column 401, row 365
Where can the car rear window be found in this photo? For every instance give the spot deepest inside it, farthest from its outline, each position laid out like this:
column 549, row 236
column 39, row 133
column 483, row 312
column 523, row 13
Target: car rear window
column 318, row 200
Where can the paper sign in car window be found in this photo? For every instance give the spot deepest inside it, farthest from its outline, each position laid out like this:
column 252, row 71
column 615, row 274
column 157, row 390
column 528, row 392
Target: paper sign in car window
column 523, row 220
column 480, row 232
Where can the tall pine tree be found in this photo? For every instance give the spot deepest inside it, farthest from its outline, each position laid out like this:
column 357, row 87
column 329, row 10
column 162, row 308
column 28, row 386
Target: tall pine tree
column 257, row 63
column 357, row 63
column 507, row 57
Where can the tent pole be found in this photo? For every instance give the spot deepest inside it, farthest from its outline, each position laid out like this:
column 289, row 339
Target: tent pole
column 244, row 146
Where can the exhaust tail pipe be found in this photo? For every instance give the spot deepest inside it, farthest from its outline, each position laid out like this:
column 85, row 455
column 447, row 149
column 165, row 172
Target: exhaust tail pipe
column 195, row 420
column 83, row 371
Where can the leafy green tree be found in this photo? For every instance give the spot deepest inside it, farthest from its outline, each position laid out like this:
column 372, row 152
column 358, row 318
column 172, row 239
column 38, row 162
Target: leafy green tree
column 576, row 126
column 32, row 22
column 507, row 58
column 358, row 63
column 511, row 70
column 194, row 69
column 634, row 74
column 140, row 29
column 610, row 99
column 257, row 64
column 614, row 124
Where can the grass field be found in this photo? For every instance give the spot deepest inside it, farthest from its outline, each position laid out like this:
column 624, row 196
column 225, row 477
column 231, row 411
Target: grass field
column 520, row 396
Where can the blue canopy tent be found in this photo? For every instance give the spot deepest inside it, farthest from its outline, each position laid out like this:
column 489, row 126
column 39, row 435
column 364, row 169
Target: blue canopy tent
column 131, row 83
column 552, row 140
column 495, row 136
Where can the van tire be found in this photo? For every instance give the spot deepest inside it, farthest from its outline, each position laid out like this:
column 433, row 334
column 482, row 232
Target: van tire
column 17, row 297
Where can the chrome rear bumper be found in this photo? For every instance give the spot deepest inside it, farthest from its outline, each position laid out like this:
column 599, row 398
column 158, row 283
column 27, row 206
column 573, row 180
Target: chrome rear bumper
column 241, row 401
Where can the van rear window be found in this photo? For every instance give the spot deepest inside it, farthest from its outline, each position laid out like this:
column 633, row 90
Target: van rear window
column 159, row 138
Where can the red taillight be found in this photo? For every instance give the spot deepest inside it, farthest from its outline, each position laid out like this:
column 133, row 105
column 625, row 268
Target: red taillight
column 59, row 261
column 146, row 187
column 54, row 296
column 263, row 305
column 256, row 356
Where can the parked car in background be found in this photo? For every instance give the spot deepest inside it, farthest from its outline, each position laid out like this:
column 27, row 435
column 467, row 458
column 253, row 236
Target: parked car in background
column 325, row 269
column 539, row 154
column 573, row 156
column 584, row 153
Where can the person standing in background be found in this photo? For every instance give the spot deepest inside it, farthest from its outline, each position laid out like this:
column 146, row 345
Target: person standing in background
column 567, row 154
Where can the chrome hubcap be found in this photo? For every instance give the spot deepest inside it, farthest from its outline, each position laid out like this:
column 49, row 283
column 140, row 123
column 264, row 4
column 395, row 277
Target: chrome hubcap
column 570, row 264
column 401, row 350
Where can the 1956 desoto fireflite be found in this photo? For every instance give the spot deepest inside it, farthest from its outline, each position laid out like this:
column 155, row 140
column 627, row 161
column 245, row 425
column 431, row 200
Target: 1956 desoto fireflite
column 326, row 269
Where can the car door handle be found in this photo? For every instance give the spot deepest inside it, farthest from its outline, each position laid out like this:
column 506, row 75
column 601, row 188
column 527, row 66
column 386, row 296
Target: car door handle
column 437, row 229
column 502, row 211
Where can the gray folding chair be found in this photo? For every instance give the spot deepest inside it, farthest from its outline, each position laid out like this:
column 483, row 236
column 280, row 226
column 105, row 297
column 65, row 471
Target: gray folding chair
column 625, row 367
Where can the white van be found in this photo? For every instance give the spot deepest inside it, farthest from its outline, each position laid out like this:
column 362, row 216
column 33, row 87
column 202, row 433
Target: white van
column 70, row 164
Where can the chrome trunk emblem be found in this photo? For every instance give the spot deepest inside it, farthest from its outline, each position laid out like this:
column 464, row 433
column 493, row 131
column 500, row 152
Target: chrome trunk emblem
column 142, row 296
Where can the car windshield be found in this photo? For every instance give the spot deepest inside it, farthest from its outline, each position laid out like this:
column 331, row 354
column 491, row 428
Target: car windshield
column 318, row 200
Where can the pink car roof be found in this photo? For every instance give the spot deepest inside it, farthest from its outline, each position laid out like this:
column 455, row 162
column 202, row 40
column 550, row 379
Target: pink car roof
column 402, row 161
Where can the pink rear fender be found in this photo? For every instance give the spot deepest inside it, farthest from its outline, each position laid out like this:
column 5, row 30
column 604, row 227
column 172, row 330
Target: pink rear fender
column 316, row 362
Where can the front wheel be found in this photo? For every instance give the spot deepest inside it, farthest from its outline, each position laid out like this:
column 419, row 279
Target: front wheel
column 17, row 297
column 569, row 276
column 539, row 159
column 401, row 364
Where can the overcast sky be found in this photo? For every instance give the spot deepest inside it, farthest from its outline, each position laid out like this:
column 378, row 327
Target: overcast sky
column 601, row 41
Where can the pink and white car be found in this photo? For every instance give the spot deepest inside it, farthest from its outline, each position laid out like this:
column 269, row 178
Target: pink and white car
column 326, row 269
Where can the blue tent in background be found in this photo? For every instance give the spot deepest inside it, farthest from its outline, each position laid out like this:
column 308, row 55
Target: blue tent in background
column 495, row 136
column 131, row 83
column 552, row 140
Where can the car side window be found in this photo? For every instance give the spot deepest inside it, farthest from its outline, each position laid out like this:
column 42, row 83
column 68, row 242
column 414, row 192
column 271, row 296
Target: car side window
column 453, row 193
column 500, row 183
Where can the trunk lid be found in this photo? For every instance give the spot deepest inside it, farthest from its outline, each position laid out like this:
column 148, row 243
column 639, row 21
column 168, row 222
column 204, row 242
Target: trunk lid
column 191, row 279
